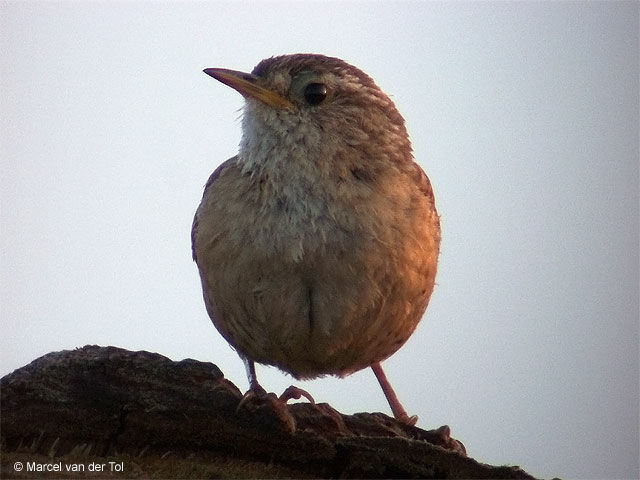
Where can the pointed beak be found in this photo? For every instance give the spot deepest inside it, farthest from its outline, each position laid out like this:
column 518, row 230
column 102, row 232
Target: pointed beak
column 247, row 85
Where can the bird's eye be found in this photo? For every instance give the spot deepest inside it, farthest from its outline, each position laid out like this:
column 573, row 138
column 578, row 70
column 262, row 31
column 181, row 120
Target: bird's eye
column 315, row 93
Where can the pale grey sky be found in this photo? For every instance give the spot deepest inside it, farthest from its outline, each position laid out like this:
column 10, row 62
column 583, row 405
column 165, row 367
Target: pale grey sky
column 524, row 115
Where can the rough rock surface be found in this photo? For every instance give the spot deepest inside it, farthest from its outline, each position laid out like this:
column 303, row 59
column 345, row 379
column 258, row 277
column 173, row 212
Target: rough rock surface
column 154, row 417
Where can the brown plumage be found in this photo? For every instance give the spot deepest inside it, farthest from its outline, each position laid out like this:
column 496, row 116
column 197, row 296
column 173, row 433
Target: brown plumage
column 317, row 244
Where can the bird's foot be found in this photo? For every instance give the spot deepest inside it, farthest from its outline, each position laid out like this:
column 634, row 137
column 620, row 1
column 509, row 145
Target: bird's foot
column 294, row 393
column 256, row 392
column 255, row 395
column 262, row 405
column 406, row 419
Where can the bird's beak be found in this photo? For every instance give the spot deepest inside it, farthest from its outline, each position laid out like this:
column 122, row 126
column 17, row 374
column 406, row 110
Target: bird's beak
column 247, row 85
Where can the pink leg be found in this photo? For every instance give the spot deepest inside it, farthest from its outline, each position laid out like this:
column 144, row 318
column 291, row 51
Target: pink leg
column 398, row 411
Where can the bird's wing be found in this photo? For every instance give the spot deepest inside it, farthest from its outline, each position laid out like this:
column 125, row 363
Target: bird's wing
column 421, row 179
column 212, row 178
column 422, row 182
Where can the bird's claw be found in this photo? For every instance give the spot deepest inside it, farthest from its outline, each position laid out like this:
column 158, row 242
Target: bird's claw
column 294, row 393
column 408, row 420
column 256, row 399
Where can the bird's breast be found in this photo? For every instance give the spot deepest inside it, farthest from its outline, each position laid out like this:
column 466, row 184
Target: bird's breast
column 315, row 274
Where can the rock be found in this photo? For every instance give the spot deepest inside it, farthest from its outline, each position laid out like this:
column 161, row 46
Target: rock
column 153, row 417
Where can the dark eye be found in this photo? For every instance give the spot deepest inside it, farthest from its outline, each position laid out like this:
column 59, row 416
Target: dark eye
column 315, row 93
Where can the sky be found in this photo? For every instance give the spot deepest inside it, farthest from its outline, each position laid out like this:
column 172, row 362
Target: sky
column 523, row 114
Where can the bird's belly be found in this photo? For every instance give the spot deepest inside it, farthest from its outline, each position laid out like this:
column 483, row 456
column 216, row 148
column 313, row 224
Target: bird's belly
column 316, row 298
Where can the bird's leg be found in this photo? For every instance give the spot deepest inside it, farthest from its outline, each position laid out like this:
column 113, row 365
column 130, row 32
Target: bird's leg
column 398, row 411
column 254, row 386
column 291, row 393
column 255, row 389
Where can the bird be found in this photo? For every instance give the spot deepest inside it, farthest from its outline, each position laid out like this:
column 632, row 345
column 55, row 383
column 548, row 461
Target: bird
column 317, row 244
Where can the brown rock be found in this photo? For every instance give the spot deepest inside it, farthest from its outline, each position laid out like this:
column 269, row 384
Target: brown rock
column 159, row 418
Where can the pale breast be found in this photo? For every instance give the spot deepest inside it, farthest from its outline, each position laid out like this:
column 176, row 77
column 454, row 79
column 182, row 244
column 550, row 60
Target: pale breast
column 315, row 281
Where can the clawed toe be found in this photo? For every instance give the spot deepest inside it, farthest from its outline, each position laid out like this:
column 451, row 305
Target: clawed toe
column 267, row 407
column 294, row 393
column 257, row 394
column 256, row 399
column 252, row 395
column 408, row 420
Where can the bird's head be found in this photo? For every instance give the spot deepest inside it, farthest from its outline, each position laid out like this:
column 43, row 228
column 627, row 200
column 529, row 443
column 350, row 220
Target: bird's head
column 317, row 108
